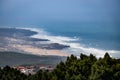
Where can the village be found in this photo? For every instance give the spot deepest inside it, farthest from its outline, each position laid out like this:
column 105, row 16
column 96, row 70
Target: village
column 33, row 69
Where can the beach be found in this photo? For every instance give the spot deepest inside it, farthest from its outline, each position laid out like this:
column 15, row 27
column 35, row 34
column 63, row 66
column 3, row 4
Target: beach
column 20, row 40
column 38, row 51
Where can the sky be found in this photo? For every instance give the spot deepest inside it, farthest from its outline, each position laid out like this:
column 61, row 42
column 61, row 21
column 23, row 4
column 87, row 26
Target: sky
column 35, row 12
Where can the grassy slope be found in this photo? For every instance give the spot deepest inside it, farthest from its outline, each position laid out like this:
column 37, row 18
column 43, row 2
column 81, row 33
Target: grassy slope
column 14, row 58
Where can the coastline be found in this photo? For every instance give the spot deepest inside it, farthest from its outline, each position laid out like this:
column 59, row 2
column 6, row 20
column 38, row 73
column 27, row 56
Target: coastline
column 39, row 42
column 38, row 51
column 21, row 40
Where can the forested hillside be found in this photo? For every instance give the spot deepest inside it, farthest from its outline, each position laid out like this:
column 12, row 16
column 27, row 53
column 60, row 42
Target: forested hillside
column 84, row 68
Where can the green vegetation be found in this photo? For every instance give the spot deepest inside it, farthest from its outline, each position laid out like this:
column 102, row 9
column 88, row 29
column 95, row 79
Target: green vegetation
column 16, row 58
column 85, row 68
column 8, row 73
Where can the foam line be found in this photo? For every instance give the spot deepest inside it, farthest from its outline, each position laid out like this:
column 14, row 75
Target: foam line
column 75, row 48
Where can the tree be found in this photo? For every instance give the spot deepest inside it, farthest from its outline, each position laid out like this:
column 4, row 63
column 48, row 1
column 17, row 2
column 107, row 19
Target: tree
column 85, row 68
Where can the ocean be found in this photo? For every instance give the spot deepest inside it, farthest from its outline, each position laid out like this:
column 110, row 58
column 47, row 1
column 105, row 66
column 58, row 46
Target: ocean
column 96, row 39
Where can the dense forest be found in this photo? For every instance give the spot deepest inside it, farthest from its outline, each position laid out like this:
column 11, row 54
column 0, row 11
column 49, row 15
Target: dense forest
column 84, row 68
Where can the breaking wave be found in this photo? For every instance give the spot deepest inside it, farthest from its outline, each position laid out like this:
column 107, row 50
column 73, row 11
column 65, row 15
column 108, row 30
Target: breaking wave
column 75, row 47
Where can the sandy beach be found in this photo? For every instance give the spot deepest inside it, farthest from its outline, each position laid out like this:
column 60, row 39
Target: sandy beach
column 38, row 51
column 28, row 45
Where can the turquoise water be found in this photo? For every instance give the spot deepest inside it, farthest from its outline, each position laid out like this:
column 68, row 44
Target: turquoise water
column 102, row 36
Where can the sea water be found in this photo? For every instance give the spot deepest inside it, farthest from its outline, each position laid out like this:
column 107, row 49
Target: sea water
column 83, row 38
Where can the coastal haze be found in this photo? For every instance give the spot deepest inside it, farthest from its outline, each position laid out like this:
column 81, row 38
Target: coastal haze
column 60, row 28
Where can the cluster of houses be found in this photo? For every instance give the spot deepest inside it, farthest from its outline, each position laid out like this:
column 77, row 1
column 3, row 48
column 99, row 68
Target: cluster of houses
column 33, row 69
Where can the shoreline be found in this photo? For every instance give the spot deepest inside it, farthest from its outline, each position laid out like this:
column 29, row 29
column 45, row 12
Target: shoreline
column 39, row 51
column 28, row 49
column 47, row 44
column 20, row 40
